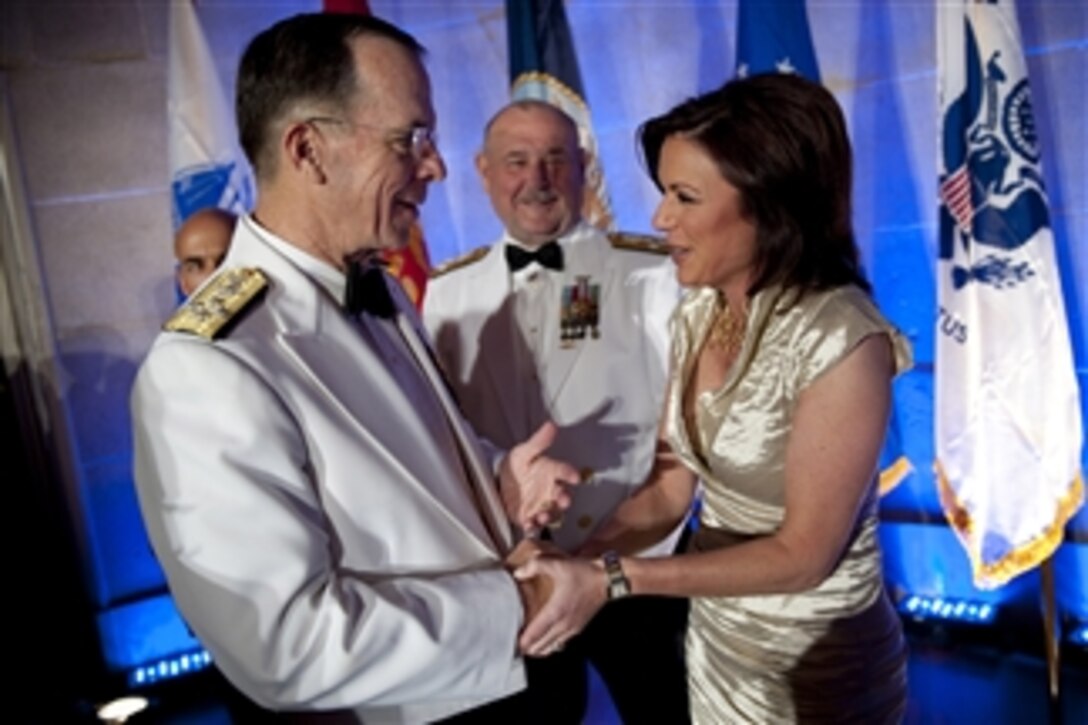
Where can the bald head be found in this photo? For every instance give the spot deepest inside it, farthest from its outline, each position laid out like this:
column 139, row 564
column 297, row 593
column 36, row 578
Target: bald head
column 533, row 170
column 515, row 112
column 200, row 245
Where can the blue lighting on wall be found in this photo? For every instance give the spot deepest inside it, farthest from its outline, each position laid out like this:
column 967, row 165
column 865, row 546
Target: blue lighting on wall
column 954, row 610
column 169, row 668
column 143, row 637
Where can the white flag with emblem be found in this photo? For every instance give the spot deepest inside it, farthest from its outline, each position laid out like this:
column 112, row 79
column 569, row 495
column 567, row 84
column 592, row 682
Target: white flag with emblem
column 1008, row 427
column 207, row 167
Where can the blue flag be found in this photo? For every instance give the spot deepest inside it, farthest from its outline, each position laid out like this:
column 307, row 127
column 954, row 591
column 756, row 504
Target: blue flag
column 773, row 35
column 543, row 65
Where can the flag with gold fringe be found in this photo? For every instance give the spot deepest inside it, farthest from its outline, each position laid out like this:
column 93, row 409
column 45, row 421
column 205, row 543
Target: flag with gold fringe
column 1008, row 430
column 894, row 464
column 411, row 265
column 543, row 65
column 207, row 166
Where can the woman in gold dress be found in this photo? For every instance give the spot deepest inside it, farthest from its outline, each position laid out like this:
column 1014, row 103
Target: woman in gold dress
column 778, row 401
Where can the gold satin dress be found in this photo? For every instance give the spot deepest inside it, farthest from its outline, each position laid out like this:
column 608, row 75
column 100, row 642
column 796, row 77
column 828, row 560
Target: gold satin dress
column 834, row 653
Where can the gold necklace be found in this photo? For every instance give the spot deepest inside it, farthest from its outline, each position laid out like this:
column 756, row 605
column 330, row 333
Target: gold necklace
column 727, row 330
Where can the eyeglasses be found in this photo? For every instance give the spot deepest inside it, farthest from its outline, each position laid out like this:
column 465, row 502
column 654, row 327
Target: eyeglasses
column 415, row 141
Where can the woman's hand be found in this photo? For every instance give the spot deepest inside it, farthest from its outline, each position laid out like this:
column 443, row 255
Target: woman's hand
column 578, row 591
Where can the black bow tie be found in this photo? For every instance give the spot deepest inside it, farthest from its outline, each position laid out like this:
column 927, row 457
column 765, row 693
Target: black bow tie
column 366, row 291
column 549, row 255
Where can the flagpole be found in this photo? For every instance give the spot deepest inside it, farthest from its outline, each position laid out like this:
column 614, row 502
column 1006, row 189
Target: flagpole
column 1052, row 631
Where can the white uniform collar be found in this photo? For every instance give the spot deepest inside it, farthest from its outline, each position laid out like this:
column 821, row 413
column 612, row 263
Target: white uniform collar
column 580, row 231
column 330, row 278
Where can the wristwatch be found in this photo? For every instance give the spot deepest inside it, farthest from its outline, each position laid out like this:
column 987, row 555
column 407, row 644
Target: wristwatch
column 618, row 584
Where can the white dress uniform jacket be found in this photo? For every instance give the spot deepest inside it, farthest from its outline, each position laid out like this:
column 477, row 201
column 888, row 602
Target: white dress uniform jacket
column 512, row 371
column 329, row 528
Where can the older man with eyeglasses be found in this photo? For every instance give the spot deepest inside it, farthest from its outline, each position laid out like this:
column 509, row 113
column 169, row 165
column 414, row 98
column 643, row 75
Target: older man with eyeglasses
column 330, row 526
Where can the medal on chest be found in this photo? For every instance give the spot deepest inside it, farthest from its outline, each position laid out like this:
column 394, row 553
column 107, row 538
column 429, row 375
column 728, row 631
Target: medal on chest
column 579, row 311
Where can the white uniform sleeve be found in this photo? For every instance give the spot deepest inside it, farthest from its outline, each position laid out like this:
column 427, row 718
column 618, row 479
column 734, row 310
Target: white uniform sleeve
column 235, row 517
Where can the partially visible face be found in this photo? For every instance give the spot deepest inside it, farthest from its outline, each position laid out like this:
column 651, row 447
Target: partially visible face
column 533, row 171
column 712, row 243
column 200, row 246
column 378, row 180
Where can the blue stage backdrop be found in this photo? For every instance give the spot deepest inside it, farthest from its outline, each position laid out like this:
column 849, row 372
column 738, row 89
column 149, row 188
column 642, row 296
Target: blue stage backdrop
column 879, row 58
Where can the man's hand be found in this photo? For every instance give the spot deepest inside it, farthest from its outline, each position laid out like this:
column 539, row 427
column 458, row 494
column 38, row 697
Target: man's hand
column 530, row 549
column 536, row 591
column 533, row 486
column 576, row 590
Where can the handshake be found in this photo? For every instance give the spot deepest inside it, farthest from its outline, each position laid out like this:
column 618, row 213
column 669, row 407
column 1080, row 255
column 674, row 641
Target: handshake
column 559, row 593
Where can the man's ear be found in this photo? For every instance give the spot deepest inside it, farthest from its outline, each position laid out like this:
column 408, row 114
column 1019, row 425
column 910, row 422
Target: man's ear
column 304, row 148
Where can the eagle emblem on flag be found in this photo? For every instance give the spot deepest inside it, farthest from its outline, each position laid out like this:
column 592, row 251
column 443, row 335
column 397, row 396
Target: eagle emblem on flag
column 992, row 193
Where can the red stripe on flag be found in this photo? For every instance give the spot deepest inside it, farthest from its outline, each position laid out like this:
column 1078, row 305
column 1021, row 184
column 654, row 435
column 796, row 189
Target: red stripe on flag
column 956, row 193
column 361, row 7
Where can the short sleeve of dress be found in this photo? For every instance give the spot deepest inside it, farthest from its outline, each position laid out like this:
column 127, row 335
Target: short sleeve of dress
column 837, row 323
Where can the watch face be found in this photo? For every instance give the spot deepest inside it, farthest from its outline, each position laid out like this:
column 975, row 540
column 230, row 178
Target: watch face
column 618, row 588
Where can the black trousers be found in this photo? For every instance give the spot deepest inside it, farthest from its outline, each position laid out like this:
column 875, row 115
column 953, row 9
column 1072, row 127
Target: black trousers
column 637, row 647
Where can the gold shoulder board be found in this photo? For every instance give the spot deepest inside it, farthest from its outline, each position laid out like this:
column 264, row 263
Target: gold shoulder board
column 218, row 302
column 457, row 262
column 637, row 242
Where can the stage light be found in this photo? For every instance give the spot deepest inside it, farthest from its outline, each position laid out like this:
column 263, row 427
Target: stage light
column 119, row 710
column 919, row 607
column 169, row 668
column 1078, row 635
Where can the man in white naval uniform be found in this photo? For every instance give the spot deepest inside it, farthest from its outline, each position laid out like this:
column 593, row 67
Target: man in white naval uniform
column 560, row 321
column 329, row 524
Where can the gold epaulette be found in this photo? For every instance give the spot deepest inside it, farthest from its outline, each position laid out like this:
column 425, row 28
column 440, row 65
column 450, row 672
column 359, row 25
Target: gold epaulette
column 457, row 262
column 638, row 242
column 218, row 302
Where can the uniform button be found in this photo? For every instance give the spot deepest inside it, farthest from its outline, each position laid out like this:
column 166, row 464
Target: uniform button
column 533, row 276
column 584, row 522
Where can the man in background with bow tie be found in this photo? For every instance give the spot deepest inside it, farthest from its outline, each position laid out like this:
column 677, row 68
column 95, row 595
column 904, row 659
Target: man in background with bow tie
column 559, row 321
column 329, row 524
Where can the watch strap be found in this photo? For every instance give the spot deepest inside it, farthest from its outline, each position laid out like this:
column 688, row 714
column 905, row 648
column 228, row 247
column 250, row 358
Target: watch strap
column 618, row 585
